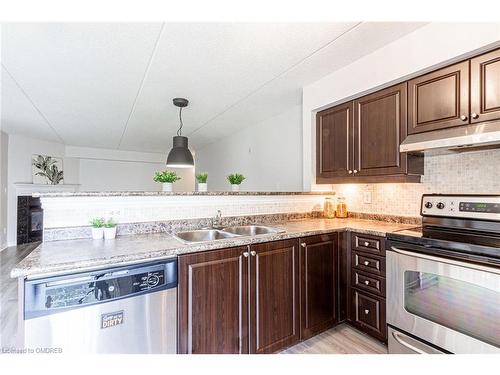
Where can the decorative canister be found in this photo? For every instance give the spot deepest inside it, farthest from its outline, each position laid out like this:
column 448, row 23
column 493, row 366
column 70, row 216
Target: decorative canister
column 329, row 208
column 341, row 210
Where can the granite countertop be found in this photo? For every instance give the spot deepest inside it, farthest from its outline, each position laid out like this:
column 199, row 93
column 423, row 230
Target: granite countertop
column 168, row 194
column 60, row 257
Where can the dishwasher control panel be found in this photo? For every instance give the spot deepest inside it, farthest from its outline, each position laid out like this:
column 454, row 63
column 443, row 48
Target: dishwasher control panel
column 78, row 290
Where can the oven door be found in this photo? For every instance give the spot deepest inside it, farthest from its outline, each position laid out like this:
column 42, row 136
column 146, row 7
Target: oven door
column 452, row 304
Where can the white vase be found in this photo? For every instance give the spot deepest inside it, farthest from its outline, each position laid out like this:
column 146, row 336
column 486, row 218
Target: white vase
column 97, row 233
column 167, row 186
column 109, row 233
column 235, row 187
column 202, row 186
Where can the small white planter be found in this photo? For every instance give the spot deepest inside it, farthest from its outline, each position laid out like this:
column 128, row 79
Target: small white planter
column 167, row 186
column 109, row 233
column 235, row 187
column 202, row 186
column 97, row 233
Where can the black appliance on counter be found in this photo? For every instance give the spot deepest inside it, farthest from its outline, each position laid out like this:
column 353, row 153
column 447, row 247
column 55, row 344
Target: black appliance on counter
column 443, row 279
column 29, row 220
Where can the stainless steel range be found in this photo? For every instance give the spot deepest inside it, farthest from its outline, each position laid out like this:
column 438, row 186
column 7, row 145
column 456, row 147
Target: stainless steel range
column 443, row 280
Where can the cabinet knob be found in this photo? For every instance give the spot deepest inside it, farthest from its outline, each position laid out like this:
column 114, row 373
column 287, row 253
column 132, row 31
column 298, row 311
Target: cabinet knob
column 245, row 254
column 366, row 263
column 366, row 243
column 463, row 118
column 475, row 115
column 367, row 311
column 303, row 244
column 253, row 253
column 355, row 171
column 350, row 172
column 367, row 282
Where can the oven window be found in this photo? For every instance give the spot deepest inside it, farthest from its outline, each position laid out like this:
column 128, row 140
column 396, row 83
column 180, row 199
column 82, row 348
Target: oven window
column 464, row 307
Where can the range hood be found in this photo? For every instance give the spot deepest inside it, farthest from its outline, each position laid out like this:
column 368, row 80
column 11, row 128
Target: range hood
column 459, row 138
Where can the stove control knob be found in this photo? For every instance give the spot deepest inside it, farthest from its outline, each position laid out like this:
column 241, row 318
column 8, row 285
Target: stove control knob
column 440, row 205
column 428, row 204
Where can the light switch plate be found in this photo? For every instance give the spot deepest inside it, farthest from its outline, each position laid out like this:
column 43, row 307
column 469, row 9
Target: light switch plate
column 367, row 197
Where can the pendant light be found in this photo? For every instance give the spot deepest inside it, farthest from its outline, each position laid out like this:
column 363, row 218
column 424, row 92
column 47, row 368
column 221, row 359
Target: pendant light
column 180, row 156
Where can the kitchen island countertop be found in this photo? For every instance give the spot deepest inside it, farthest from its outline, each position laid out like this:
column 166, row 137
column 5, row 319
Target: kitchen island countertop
column 73, row 256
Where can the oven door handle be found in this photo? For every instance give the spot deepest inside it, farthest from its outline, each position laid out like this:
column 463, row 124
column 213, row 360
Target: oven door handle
column 447, row 261
column 399, row 339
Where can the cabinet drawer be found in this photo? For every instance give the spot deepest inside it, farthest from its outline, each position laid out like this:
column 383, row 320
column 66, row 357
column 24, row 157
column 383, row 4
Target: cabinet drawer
column 367, row 243
column 370, row 283
column 368, row 263
column 368, row 314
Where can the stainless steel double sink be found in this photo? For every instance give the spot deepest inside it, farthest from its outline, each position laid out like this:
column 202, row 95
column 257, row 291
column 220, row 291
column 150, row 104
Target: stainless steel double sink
column 203, row 235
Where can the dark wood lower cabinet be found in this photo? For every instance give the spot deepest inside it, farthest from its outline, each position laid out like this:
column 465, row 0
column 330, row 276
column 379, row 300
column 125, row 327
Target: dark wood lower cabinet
column 274, row 296
column 368, row 314
column 213, row 302
column 318, row 279
column 266, row 297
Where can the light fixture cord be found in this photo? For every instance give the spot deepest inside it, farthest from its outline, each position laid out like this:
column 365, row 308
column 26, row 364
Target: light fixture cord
column 179, row 132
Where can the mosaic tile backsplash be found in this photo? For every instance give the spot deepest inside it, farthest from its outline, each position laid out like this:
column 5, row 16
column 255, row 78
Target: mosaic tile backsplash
column 470, row 172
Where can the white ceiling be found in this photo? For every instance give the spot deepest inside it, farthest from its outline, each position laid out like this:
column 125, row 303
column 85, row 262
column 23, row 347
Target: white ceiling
column 111, row 85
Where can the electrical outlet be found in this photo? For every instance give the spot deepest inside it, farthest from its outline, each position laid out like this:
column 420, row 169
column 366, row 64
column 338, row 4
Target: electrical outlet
column 367, row 197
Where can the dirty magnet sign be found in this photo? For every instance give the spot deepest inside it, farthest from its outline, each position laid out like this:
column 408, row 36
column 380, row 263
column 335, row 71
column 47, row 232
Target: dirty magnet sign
column 111, row 319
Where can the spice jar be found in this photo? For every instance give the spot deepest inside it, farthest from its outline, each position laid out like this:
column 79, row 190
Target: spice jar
column 329, row 208
column 341, row 210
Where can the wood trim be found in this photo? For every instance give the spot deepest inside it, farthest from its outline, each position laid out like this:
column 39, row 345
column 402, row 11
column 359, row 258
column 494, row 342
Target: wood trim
column 370, row 179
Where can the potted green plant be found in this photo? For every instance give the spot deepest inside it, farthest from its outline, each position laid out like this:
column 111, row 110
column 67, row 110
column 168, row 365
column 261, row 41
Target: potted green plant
column 109, row 229
column 97, row 228
column 235, row 180
column 202, row 181
column 166, row 178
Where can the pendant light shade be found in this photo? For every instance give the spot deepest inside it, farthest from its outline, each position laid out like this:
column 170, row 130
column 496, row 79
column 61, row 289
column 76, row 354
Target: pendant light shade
column 180, row 156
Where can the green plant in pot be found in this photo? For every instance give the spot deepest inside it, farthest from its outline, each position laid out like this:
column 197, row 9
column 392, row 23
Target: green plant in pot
column 235, row 180
column 109, row 229
column 97, row 224
column 167, row 178
column 201, row 178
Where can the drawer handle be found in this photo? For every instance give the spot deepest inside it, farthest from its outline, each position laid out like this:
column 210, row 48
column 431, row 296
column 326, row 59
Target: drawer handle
column 367, row 311
column 253, row 253
column 367, row 282
column 367, row 243
column 366, row 263
column 245, row 254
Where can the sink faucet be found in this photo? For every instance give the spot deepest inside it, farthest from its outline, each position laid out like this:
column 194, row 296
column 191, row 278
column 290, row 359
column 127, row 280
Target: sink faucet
column 217, row 220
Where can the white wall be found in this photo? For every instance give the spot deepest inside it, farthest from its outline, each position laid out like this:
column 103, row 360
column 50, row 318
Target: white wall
column 92, row 169
column 428, row 46
column 4, row 146
column 268, row 154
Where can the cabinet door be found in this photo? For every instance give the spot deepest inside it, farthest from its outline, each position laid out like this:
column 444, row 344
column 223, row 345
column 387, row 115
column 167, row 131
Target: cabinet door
column 213, row 295
column 485, row 87
column 274, row 296
column 439, row 99
column 379, row 128
column 368, row 314
column 333, row 141
column 318, row 280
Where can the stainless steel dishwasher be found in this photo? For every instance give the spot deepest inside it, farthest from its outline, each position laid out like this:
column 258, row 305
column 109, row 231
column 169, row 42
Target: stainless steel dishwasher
column 120, row 310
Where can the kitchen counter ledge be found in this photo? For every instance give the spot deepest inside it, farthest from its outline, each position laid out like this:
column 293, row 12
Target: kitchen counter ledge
column 73, row 256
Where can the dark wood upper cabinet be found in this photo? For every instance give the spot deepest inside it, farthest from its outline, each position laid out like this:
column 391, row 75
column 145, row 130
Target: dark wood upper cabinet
column 213, row 302
column 439, row 99
column 318, row 279
column 333, row 141
column 485, row 87
column 379, row 128
column 274, row 296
